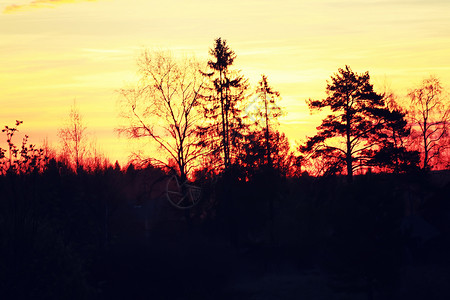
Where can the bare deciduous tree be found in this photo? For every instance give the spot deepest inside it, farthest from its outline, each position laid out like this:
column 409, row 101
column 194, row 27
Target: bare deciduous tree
column 430, row 117
column 163, row 106
column 74, row 138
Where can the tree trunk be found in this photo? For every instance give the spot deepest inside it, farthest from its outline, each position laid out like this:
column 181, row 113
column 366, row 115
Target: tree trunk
column 269, row 159
column 348, row 158
column 349, row 169
column 224, row 122
column 425, row 146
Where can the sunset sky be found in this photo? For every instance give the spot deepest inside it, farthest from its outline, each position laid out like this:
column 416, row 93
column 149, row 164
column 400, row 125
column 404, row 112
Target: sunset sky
column 53, row 52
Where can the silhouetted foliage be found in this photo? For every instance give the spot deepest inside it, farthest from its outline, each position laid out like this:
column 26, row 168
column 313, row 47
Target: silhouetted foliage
column 253, row 158
column 24, row 160
column 359, row 126
column 262, row 225
column 267, row 114
column 75, row 145
column 223, row 106
column 83, row 236
column 430, row 117
column 164, row 106
column 393, row 155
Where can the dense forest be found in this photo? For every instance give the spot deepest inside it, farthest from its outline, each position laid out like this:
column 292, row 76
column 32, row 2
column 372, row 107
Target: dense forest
column 226, row 208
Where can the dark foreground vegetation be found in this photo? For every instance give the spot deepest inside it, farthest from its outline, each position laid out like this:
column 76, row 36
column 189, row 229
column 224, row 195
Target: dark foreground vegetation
column 372, row 223
column 111, row 234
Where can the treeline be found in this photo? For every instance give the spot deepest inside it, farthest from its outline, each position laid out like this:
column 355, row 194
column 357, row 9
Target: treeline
column 54, row 223
column 371, row 221
column 84, row 234
column 207, row 116
column 109, row 234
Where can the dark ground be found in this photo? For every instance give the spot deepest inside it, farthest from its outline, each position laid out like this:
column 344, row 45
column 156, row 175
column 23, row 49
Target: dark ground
column 84, row 237
column 190, row 265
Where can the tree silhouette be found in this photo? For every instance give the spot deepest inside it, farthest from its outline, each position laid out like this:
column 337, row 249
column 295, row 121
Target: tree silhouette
column 269, row 112
column 164, row 106
column 222, row 105
column 24, row 160
column 350, row 136
column 394, row 156
column 74, row 138
column 8, row 162
column 430, row 117
column 253, row 157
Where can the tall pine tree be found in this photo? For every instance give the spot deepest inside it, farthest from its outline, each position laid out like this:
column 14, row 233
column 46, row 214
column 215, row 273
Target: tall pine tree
column 269, row 112
column 223, row 106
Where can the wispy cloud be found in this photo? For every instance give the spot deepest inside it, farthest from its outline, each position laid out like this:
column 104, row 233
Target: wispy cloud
column 14, row 8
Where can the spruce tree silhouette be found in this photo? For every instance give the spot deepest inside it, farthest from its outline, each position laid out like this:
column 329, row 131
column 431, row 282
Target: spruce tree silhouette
column 222, row 107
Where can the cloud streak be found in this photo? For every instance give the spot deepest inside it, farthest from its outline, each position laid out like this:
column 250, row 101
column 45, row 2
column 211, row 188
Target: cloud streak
column 14, row 8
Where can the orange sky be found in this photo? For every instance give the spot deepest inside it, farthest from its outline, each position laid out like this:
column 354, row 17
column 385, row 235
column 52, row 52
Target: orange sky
column 53, row 52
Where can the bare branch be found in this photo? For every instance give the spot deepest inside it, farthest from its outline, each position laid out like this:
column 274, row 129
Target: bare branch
column 163, row 107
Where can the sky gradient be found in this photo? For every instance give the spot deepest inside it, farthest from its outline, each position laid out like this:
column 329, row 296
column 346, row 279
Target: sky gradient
column 53, row 52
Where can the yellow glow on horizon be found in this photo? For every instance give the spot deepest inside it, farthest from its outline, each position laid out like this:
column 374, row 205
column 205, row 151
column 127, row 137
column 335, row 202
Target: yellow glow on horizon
column 88, row 50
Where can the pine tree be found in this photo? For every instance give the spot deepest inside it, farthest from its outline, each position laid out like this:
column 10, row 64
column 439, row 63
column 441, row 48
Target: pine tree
column 358, row 126
column 269, row 113
column 223, row 106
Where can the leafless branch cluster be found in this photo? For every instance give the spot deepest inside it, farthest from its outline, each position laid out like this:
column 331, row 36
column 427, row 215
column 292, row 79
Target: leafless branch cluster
column 164, row 105
column 430, row 119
